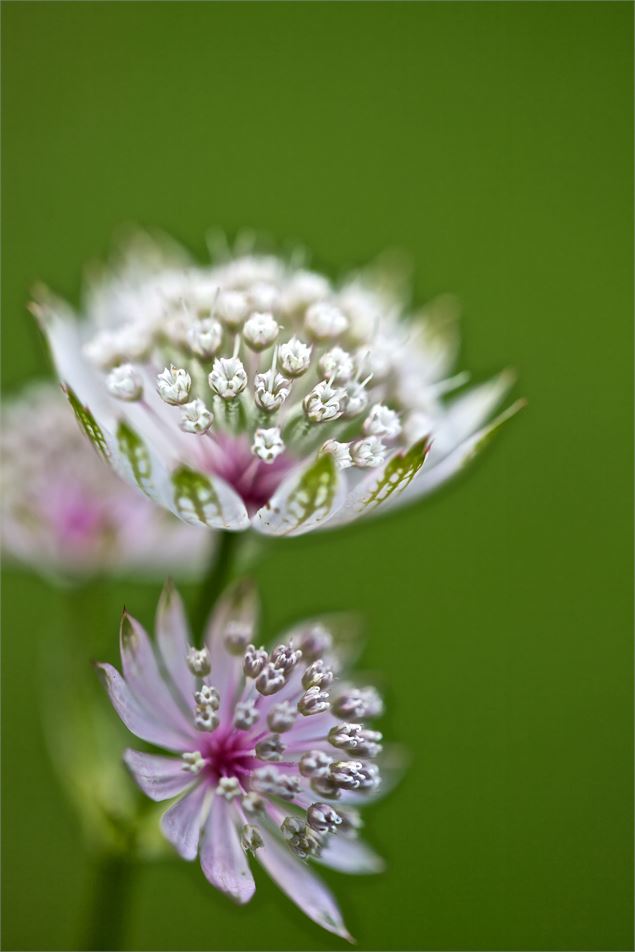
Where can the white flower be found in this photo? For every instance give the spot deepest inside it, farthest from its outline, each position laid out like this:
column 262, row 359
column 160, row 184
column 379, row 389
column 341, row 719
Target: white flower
column 349, row 348
column 294, row 357
column 205, row 337
column 64, row 512
column 271, row 389
column 324, row 403
column 228, row 377
column 382, row 421
column 260, row 331
column 325, row 321
column 267, row 444
column 337, row 365
column 241, row 771
column 340, row 452
column 232, row 308
column 368, row 453
column 195, row 417
column 125, row 383
column 173, row 385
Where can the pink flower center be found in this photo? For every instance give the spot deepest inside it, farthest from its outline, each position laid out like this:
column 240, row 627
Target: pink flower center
column 255, row 482
column 228, row 753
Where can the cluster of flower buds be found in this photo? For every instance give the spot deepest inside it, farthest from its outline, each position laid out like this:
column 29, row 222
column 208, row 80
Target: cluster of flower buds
column 251, row 370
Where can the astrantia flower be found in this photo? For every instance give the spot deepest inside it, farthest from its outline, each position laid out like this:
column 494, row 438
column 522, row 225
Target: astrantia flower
column 270, row 750
column 252, row 392
column 65, row 512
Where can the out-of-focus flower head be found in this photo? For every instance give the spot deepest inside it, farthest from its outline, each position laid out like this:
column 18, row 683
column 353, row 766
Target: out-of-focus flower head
column 270, row 749
column 64, row 512
column 255, row 392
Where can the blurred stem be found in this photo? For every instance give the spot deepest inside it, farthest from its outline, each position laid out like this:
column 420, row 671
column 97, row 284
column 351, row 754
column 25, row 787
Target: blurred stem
column 110, row 903
column 220, row 567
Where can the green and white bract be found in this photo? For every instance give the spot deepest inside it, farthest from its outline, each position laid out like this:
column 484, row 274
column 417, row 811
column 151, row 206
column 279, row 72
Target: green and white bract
column 251, row 392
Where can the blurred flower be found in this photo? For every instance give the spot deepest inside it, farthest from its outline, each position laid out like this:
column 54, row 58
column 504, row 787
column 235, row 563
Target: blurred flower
column 270, row 753
column 64, row 512
column 254, row 392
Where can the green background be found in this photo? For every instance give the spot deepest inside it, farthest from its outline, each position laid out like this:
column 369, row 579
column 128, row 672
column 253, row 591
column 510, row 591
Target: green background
column 493, row 143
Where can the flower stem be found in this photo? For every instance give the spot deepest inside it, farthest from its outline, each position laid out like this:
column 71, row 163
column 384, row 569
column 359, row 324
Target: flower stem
column 110, row 903
column 217, row 575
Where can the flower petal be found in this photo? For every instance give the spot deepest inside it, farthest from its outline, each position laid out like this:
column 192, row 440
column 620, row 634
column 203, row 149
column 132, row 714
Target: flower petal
column 160, row 778
column 454, row 462
column 182, row 823
column 62, row 330
column 172, row 633
column 466, row 413
column 239, row 605
column 348, row 855
column 223, row 859
column 136, row 718
column 301, row 886
column 200, row 499
column 304, row 501
column 382, row 486
column 144, row 679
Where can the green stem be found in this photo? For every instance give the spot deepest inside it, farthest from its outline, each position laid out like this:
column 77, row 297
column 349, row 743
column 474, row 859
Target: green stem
column 110, row 903
column 215, row 579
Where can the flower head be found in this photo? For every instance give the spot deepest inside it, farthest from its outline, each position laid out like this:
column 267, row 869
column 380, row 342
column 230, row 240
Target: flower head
column 261, row 764
column 64, row 512
column 196, row 361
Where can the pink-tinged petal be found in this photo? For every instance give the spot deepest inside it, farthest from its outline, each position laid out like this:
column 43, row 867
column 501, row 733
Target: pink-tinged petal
column 173, row 640
column 302, row 886
column 306, row 500
column 182, row 823
column 239, row 609
column 350, row 856
column 136, row 718
column 430, row 479
column 223, row 859
column 160, row 778
column 144, row 679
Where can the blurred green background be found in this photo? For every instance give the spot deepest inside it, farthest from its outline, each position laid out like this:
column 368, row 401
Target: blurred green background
column 491, row 141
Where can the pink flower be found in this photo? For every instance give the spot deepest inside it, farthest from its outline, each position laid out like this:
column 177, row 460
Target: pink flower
column 269, row 754
column 67, row 514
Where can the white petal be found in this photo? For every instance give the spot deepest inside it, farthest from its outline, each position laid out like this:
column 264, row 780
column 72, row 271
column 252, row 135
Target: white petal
column 306, row 500
column 382, row 486
column 430, row 479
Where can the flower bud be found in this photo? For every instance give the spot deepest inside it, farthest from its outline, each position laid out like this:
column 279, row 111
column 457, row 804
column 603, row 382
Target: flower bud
column 195, row 417
column 260, row 331
column 294, row 357
column 125, row 383
column 324, row 321
column 267, row 444
column 228, row 377
column 173, row 385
